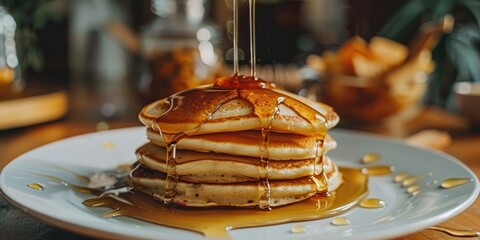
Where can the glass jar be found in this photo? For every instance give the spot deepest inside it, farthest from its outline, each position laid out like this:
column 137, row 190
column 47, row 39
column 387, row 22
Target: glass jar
column 180, row 49
column 10, row 79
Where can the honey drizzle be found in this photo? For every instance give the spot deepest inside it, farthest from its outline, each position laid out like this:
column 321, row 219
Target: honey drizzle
column 266, row 105
column 235, row 38
column 172, row 177
column 264, row 202
column 177, row 104
column 253, row 49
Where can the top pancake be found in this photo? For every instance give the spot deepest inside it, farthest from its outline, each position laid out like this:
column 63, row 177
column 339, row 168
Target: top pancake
column 209, row 110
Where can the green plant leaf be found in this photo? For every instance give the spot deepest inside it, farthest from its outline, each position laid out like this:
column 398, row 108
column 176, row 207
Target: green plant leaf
column 474, row 8
column 441, row 8
column 404, row 21
column 435, row 79
column 464, row 54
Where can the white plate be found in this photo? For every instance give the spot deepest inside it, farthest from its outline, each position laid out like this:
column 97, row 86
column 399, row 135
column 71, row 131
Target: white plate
column 404, row 214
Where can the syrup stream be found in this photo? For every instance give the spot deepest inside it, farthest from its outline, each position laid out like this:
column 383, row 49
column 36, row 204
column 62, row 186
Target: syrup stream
column 253, row 57
column 235, row 38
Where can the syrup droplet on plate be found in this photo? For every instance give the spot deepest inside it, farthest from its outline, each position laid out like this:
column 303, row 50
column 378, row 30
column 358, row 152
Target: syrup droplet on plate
column 297, row 228
column 400, row 177
column 410, row 180
column 378, row 170
column 415, row 193
column 454, row 182
column 413, row 188
column 35, row 186
column 108, row 145
column 372, row 203
column 340, row 221
column 370, row 158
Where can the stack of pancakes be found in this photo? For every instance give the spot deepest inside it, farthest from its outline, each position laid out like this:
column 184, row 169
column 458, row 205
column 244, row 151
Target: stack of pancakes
column 227, row 153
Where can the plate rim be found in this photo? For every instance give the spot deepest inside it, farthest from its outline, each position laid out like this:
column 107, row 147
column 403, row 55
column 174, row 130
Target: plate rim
column 97, row 232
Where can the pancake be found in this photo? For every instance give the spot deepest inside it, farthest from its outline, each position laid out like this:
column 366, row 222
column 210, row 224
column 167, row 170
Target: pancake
column 249, row 143
column 223, row 168
column 246, row 194
column 209, row 110
column 239, row 142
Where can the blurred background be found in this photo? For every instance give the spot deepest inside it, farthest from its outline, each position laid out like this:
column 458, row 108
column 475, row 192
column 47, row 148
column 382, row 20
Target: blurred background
column 408, row 69
column 370, row 60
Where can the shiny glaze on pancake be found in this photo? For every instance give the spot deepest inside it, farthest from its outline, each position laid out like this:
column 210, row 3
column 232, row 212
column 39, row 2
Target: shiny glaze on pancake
column 189, row 110
column 199, row 106
column 233, row 112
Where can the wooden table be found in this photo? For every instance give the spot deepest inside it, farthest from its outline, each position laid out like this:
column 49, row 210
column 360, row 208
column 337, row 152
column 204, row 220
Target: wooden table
column 81, row 119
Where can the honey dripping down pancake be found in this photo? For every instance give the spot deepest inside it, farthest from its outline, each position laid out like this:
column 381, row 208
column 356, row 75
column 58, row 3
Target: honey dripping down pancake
column 250, row 140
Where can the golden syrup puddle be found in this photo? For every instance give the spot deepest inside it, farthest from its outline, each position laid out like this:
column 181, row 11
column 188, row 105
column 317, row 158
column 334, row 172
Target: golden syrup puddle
column 214, row 222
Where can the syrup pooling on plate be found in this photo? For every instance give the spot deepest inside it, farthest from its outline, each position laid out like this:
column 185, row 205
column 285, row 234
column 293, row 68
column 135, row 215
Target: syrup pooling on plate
column 215, row 222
